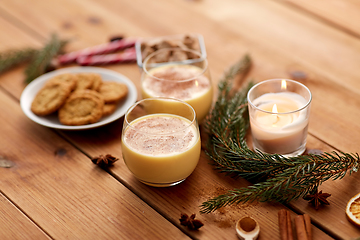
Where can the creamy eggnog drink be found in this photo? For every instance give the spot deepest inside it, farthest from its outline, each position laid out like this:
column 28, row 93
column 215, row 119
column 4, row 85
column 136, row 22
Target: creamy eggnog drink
column 160, row 149
column 188, row 82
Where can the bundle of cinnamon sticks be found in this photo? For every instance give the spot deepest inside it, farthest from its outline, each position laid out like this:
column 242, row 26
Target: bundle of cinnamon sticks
column 302, row 226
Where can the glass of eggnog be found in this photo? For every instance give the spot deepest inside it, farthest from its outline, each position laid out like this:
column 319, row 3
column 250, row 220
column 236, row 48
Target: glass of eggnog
column 178, row 73
column 161, row 141
column 279, row 112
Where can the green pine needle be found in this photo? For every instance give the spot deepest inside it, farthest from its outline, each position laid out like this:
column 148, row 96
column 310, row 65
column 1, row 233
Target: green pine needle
column 14, row 57
column 277, row 178
column 43, row 58
column 39, row 59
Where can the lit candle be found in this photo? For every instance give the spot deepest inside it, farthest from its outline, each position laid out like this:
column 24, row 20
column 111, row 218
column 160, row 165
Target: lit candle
column 279, row 113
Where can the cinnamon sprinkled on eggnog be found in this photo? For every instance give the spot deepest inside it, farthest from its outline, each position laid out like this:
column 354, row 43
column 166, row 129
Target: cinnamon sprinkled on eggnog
column 161, row 148
column 185, row 82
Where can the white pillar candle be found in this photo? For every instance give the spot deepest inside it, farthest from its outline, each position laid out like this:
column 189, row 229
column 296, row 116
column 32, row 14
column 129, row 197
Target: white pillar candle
column 279, row 118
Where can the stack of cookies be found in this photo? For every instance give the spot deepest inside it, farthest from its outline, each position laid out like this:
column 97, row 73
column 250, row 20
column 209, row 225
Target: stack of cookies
column 78, row 98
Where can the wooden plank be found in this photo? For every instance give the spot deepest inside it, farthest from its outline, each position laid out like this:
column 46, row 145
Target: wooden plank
column 340, row 14
column 75, row 25
column 15, row 225
column 64, row 192
column 278, row 60
column 226, row 41
column 283, row 42
column 85, row 28
column 223, row 220
column 203, row 184
column 277, row 53
column 341, row 191
column 287, row 50
column 303, row 40
column 15, row 37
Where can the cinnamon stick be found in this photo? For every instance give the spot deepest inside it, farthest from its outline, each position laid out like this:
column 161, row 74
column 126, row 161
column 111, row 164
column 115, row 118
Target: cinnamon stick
column 308, row 225
column 300, row 228
column 285, row 226
column 289, row 226
column 282, row 224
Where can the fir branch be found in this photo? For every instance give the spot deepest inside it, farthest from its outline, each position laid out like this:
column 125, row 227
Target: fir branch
column 15, row 57
column 228, row 107
column 43, row 58
column 282, row 179
column 305, row 175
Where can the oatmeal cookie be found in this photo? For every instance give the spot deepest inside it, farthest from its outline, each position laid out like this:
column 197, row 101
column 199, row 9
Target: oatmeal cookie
column 113, row 91
column 83, row 92
column 50, row 98
column 66, row 78
column 84, row 81
column 109, row 108
column 81, row 109
column 97, row 81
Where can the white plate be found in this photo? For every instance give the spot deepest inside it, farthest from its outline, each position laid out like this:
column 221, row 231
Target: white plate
column 52, row 120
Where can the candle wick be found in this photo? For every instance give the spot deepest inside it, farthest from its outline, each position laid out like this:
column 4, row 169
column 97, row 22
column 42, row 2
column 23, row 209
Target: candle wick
column 277, row 120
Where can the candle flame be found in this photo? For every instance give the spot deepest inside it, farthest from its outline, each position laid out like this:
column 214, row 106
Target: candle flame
column 196, row 83
column 274, row 109
column 275, row 117
column 283, row 84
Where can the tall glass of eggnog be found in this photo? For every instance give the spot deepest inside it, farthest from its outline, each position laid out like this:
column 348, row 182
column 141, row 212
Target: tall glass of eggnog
column 181, row 74
column 161, row 141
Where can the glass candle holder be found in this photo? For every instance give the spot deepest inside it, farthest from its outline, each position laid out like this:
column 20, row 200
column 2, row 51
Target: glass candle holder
column 161, row 141
column 169, row 73
column 279, row 112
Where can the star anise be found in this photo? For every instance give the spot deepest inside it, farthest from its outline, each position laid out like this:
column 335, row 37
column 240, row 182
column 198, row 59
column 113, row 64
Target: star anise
column 318, row 198
column 190, row 222
column 104, row 161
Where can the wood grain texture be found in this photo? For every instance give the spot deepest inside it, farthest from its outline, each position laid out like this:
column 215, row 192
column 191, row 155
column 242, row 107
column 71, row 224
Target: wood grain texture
column 203, row 184
column 340, row 14
column 282, row 40
column 16, row 38
column 15, row 225
column 341, row 191
column 64, row 192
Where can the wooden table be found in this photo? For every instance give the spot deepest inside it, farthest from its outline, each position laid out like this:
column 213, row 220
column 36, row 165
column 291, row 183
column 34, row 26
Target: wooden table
column 54, row 191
